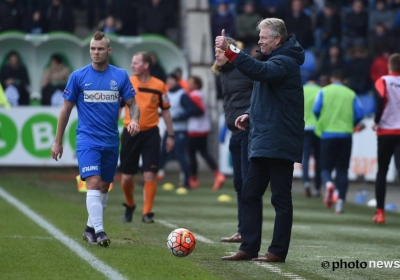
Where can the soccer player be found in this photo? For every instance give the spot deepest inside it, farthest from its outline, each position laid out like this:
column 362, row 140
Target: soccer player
column 311, row 141
column 338, row 111
column 387, row 127
column 182, row 108
column 199, row 128
column 151, row 94
column 96, row 89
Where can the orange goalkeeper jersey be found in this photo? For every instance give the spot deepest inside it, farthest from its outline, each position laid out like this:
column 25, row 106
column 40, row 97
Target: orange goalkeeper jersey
column 150, row 96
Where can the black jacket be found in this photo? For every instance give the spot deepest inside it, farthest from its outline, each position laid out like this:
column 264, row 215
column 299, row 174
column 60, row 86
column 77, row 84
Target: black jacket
column 236, row 92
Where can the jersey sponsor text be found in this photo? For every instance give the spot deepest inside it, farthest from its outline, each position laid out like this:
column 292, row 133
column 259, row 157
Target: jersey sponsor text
column 107, row 96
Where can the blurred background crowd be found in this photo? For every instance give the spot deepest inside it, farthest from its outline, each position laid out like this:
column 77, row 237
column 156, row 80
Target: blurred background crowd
column 356, row 36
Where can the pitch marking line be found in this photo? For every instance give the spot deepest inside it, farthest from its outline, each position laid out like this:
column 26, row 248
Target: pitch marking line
column 265, row 265
column 97, row 264
column 279, row 271
column 16, row 236
column 197, row 236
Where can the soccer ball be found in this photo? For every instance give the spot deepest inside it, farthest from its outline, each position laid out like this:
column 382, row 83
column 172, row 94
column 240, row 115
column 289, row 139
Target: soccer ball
column 181, row 242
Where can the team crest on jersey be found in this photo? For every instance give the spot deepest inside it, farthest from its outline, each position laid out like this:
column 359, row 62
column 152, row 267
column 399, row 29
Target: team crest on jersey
column 153, row 99
column 113, row 85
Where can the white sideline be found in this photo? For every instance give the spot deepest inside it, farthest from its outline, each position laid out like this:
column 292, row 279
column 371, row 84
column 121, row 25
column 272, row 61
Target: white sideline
column 197, row 236
column 268, row 266
column 279, row 271
column 97, row 264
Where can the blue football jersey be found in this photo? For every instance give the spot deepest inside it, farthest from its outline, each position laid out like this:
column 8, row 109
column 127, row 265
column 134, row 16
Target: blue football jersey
column 97, row 97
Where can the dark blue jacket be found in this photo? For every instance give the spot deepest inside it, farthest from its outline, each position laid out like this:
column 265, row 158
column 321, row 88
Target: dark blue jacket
column 277, row 103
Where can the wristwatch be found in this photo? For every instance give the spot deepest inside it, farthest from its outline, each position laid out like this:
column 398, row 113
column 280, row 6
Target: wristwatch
column 171, row 136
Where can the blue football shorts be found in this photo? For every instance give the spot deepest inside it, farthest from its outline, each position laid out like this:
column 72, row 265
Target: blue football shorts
column 97, row 160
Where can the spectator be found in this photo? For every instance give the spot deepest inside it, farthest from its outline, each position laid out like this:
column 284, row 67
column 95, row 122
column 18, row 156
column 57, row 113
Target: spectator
column 396, row 30
column 54, row 80
column 198, row 129
column 273, row 8
column 356, row 24
column 156, row 69
column 328, row 29
column 380, row 38
column 11, row 15
column 381, row 15
column 357, row 70
column 338, row 111
column 240, row 5
column 245, row 22
column 156, row 16
column 35, row 23
column 331, row 60
column 96, row 10
column 15, row 81
column 379, row 65
column 223, row 18
column 127, row 11
column 110, row 25
column 59, row 17
column 299, row 24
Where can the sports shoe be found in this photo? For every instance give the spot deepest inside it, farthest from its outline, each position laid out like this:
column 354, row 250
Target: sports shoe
column 330, row 187
column 379, row 216
column 193, row 182
column 148, row 218
column 89, row 236
column 102, row 239
column 127, row 218
column 218, row 181
column 339, row 206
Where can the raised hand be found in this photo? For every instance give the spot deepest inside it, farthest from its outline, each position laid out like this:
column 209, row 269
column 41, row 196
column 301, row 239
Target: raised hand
column 221, row 42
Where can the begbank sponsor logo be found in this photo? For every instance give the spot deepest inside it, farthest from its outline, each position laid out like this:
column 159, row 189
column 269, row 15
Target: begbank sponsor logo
column 107, row 96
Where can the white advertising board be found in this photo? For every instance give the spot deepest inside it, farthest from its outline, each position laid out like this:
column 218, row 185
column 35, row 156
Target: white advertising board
column 27, row 133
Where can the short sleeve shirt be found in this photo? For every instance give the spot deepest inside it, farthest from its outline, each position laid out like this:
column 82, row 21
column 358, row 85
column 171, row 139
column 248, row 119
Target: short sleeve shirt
column 97, row 97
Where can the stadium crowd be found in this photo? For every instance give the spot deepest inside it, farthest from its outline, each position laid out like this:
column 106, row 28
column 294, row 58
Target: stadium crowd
column 356, row 36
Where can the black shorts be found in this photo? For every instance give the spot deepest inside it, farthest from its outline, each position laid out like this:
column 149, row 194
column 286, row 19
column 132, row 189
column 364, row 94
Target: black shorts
column 146, row 144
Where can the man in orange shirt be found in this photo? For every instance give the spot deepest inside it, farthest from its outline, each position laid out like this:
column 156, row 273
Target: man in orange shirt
column 151, row 94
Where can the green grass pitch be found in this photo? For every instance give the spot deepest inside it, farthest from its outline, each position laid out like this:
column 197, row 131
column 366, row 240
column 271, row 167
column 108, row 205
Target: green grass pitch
column 139, row 251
